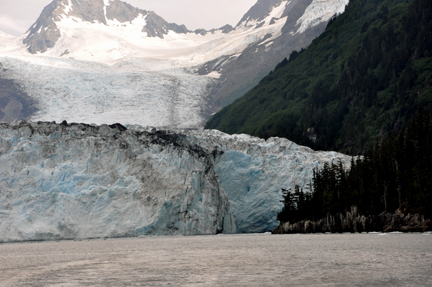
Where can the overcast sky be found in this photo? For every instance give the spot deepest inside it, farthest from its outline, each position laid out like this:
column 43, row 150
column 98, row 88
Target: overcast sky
column 16, row 16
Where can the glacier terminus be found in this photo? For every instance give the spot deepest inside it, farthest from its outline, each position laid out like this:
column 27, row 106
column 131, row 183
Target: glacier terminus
column 68, row 181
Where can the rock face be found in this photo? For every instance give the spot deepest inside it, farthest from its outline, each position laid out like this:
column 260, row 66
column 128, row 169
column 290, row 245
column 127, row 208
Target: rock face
column 354, row 222
column 77, row 181
column 121, row 11
column 80, row 181
column 43, row 34
column 156, row 26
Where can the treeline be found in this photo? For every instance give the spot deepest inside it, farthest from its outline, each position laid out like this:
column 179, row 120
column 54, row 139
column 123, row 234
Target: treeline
column 363, row 77
column 395, row 173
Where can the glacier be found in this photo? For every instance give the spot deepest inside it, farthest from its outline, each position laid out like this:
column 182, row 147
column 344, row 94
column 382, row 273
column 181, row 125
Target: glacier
column 69, row 181
column 91, row 92
column 107, row 70
column 82, row 181
column 252, row 172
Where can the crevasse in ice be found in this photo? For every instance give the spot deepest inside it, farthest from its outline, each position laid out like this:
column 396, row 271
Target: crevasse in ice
column 60, row 181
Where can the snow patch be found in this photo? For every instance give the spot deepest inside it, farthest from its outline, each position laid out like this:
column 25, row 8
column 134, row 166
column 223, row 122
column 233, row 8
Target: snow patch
column 214, row 74
column 276, row 34
column 320, row 11
column 68, row 8
column 277, row 12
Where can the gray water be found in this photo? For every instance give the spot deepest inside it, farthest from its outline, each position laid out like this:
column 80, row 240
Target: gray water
column 225, row 260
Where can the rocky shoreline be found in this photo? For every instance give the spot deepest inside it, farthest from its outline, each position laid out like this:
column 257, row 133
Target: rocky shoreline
column 352, row 221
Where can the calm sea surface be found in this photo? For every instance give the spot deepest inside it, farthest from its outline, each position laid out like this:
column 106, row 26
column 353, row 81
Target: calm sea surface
column 224, row 260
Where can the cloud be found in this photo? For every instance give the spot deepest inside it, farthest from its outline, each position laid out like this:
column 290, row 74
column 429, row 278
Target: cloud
column 11, row 26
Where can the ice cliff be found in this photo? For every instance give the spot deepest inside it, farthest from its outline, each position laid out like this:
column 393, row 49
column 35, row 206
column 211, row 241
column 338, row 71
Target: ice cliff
column 252, row 172
column 61, row 181
column 81, row 181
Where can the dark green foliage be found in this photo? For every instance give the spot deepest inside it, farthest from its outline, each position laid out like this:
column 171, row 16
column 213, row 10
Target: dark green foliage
column 298, row 205
column 363, row 78
column 281, row 64
column 395, row 173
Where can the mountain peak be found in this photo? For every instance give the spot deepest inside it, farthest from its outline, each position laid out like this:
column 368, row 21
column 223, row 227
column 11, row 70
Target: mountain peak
column 156, row 26
column 262, row 10
column 45, row 32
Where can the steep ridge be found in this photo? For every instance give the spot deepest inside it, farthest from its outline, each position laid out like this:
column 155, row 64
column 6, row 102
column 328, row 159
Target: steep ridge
column 118, row 38
column 262, row 10
column 363, row 78
column 64, row 180
column 292, row 25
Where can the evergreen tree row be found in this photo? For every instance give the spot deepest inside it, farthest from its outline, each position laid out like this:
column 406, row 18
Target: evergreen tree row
column 395, row 173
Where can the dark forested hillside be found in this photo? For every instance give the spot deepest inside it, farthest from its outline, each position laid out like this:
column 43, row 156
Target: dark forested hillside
column 395, row 174
column 363, row 78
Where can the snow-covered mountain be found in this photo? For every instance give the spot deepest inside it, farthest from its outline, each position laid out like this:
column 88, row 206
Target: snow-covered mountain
column 47, row 30
column 263, row 12
column 60, row 181
column 98, row 61
column 291, row 25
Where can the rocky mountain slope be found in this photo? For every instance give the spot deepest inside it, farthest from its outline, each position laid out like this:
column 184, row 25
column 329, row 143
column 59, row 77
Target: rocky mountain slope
column 64, row 180
column 363, row 78
column 301, row 21
column 82, row 48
